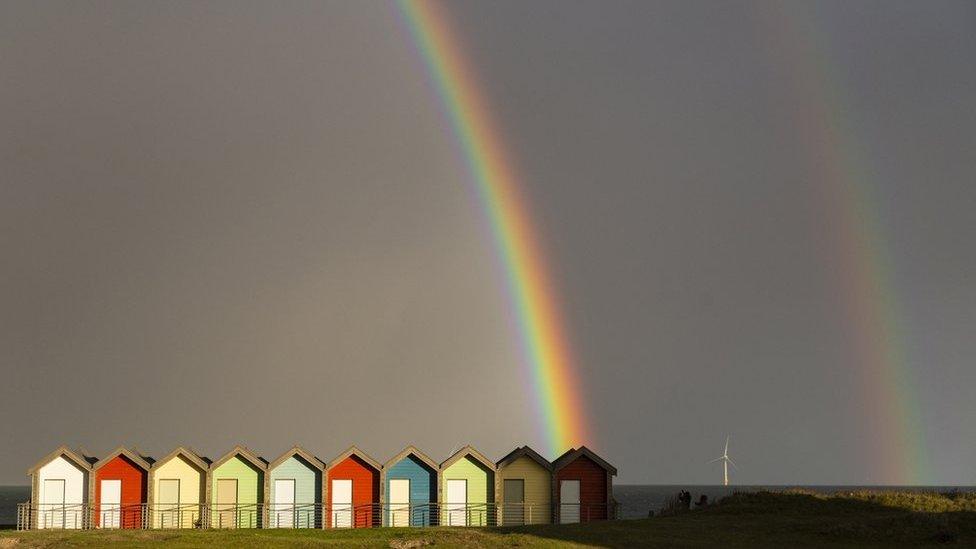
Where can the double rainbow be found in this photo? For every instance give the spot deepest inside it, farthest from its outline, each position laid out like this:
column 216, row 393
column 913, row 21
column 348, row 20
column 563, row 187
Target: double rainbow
column 542, row 337
column 890, row 409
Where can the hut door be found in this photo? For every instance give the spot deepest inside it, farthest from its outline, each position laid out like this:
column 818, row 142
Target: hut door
column 284, row 503
column 226, row 503
column 400, row 502
column 569, row 501
column 52, row 509
column 342, row 503
column 457, row 502
column 168, row 501
column 111, row 500
column 514, row 501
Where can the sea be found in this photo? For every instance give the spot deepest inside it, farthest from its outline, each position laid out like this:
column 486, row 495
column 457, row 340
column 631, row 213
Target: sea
column 636, row 501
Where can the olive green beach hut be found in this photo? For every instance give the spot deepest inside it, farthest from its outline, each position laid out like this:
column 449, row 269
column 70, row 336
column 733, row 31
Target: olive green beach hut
column 467, row 489
column 524, row 488
column 238, row 490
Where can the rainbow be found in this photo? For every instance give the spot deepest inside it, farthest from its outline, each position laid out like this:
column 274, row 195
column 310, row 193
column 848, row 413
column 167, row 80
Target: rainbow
column 533, row 297
column 864, row 270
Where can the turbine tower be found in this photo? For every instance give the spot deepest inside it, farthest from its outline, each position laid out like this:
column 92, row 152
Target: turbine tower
column 726, row 460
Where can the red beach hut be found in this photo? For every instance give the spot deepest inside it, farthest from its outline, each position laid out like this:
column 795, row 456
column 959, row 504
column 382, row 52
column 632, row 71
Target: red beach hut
column 119, row 484
column 353, row 491
column 582, row 486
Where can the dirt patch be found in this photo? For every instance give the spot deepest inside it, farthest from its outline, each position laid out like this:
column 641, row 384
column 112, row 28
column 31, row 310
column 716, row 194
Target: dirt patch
column 409, row 543
column 8, row 542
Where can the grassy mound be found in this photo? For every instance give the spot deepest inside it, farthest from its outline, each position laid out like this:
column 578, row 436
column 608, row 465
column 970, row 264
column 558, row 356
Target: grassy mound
column 761, row 519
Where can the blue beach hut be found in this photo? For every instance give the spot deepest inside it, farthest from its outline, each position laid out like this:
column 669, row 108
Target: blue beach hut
column 410, row 489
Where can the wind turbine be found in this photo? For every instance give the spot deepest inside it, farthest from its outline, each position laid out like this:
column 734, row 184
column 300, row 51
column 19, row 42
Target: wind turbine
column 726, row 460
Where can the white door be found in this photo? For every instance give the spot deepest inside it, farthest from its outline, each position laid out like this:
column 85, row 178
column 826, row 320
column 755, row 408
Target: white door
column 111, row 500
column 400, row 502
column 342, row 503
column 283, row 511
column 569, row 501
column 457, row 502
column 52, row 510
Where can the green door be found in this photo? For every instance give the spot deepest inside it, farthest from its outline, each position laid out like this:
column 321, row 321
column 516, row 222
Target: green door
column 514, row 511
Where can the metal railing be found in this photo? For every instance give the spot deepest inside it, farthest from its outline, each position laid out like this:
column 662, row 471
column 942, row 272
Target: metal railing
column 237, row 515
column 168, row 516
column 304, row 515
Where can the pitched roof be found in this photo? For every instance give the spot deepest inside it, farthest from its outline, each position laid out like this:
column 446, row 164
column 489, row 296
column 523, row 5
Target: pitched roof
column 144, row 462
column 354, row 451
column 564, row 454
column 245, row 453
column 524, row 451
column 78, row 459
column 468, row 451
column 408, row 451
column 572, row 455
column 201, row 462
column 301, row 452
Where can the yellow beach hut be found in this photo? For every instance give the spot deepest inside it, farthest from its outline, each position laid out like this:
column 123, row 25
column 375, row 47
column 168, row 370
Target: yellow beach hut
column 179, row 489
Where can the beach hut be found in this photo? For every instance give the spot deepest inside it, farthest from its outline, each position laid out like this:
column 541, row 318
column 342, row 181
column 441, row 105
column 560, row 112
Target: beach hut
column 582, row 486
column 524, row 488
column 295, row 490
column 179, row 489
column 59, row 490
column 410, row 489
column 353, row 490
column 237, row 490
column 120, row 485
column 467, row 489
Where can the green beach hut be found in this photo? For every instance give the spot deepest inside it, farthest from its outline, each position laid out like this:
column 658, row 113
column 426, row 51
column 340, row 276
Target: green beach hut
column 467, row 489
column 237, row 490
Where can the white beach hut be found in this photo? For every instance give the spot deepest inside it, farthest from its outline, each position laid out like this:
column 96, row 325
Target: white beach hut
column 59, row 490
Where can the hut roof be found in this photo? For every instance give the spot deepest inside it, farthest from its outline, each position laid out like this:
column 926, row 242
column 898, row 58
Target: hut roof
column 465, row 452
column 524, row 451
column 411, row 451
column 301, row 452
column 245, row 453
column 573, row 454
column 354, row 451
column 85, row 462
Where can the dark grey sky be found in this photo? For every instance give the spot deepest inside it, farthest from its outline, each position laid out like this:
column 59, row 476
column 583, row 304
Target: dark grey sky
column 245, row 222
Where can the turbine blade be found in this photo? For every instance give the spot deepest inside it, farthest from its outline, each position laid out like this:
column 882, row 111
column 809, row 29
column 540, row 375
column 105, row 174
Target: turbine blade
column 720, row 458
column 726, row 445
column 732, row 462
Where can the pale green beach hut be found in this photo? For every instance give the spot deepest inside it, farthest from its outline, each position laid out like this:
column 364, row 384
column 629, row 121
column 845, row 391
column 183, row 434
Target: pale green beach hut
column 467, row 489
column 237, row 490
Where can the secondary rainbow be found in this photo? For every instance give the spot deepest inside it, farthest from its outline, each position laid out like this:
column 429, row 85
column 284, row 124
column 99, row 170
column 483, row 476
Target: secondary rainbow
column 897, row 453
column 542, row 336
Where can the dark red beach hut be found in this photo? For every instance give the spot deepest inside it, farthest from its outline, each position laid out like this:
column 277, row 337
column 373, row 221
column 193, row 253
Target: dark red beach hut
column 582, row 487
column 353, row 491
column 120, row 487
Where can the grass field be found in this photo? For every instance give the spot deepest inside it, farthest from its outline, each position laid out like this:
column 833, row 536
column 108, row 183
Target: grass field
column 763, row 519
